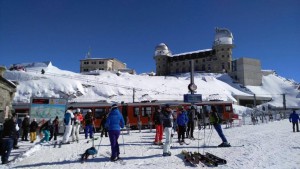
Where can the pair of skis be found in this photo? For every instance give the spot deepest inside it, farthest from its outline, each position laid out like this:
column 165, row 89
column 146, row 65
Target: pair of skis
column 207, row 159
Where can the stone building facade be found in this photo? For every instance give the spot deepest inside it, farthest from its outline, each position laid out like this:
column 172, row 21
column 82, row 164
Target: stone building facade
column 108, row 64
column 7, row 90
column 215, row 60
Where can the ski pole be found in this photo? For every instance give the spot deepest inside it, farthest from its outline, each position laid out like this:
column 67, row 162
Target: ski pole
column 123, row 141
column 99, row 145
column 210, row 134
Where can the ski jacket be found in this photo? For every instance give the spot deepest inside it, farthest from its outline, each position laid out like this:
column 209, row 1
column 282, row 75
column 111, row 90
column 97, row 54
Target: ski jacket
column 167, row 119
column 33, row 126
column 294, row 117
column 88, row 119
column 191, row 115
column 68, row 118
column 114, row 120
column 9, row 129
column 182, row 118
column 55, row 124
column 80, row 117
column 25, row 123
column 215, row 118
column 158, row 118
column 46, row 126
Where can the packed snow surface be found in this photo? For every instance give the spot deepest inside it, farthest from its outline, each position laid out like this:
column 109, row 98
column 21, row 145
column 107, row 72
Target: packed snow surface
column 270, row 145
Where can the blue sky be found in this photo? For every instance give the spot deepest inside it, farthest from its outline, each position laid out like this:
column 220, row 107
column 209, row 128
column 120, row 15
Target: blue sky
column 62, row 31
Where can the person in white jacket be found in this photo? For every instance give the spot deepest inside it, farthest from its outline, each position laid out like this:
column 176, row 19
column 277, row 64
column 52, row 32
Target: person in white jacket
column 76, row 126
column 68, row 125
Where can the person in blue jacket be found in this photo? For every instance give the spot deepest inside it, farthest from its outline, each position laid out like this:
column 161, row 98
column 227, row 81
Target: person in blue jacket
column 182, row 120
column 114, row 123
column 294, row 118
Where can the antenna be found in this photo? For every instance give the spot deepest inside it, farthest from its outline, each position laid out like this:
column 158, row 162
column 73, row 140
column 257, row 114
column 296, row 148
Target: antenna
column 88, row 55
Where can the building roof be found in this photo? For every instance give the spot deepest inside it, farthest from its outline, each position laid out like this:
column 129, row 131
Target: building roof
column 192, row 52
column 101, row 59
column 9, row 83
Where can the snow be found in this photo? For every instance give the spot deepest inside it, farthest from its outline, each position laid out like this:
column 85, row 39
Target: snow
column 113, row 88
column 271, row 145
column 267, row 145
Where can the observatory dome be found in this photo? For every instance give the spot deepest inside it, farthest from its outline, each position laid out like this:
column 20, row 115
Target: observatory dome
column 223, row 36
column 162, row 49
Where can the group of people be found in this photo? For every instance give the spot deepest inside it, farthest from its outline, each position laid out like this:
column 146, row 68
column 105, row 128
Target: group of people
column 167, row 121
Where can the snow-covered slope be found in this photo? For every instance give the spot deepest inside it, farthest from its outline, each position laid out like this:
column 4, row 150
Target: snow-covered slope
column 113, row 88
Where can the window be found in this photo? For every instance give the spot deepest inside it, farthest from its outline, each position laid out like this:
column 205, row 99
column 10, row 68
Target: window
column 93, row 62
column 196, row 61
column 136, row 111
column 86, row 63
column 223, row 65
column 85, row 70
column 228, row 108
column 101, row 62
column 99, row 113
column 146, row 111
column 222, row 56
column 222, row 49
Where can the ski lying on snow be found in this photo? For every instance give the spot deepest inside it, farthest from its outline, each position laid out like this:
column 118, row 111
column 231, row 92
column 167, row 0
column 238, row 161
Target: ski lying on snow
column 221, row 146
column 205, row 160
column 188, row 156
column 216, row 158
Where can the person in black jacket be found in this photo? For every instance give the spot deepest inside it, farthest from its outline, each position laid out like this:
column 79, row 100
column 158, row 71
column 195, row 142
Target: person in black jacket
column 158, row 121
column 25, row 127
column 55, row 125
column 191, row 124
column 103, row 128
column 33, row 128
column 8, row 135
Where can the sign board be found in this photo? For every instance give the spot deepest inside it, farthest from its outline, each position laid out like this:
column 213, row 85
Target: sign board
column 47, row 108
column 192, row 98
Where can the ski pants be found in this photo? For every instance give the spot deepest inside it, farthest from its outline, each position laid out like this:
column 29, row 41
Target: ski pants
column 46, row 135
column 32, row 136
column 158, row 133
column 297, row 126
column 6, row 147
column 218, row 128
column 75, row 132
column 167, row 145
column 113, row 138
column 67, row 133
column 190, row 129
column 89, row 129
column 181, row 131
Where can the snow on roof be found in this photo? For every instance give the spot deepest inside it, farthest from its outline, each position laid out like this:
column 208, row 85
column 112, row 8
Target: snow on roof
column 192, row 52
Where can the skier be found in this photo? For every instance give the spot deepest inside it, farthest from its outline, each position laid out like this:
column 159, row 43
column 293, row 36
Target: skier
column 182, row 120
column 33, row 127
column 294, row 118
column 68, row 125
column 76, row 126
column 167, row 124
column 8, row 135
column 45, row 128
column 89, row 127
column 191, row 123
column 103, row 128
column 113, row 122
column 216, row 122
column 158, row 120
column 25, row 127
column 55, row 124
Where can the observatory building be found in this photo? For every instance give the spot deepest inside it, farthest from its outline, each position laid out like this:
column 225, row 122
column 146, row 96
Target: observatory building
column 215, row 60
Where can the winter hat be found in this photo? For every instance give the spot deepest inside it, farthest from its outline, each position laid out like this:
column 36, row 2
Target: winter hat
column 167, row 106
column 78, row 110
column 71, row 108
column 180, row 107
column 114, row 106
column 89, row 111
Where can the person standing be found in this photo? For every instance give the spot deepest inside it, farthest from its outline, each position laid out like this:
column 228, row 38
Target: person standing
column 76, row 126
column 167, row 124
column 55, row 125
column 294, row 118
column 158, row 121
column 8, row 135
column 182, row 120
column 25, row 127
column 89, row 127
column 103, row 128
column 216, row 122
column 68, row 125
column 114, row 123
column 191, row 123
column 32, row 129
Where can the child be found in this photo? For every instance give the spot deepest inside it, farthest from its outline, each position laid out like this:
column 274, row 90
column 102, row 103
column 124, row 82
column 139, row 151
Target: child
column 91, row 151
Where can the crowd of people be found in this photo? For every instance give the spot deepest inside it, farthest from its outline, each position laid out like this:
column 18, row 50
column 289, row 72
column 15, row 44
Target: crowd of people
column 167, row 121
